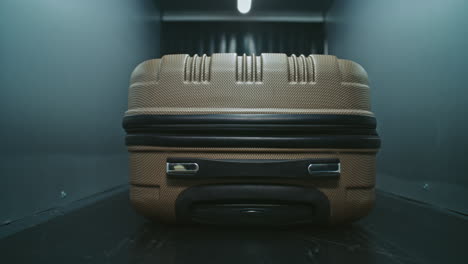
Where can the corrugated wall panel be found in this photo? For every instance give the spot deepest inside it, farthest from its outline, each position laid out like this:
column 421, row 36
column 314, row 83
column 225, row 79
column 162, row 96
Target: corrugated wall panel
column 208, row 37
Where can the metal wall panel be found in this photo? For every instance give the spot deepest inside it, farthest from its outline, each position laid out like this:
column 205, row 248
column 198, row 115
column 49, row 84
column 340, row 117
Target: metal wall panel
column 416, row 56
column 64, row 71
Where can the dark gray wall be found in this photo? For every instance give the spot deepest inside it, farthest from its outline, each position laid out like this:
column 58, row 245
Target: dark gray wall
column 417, row 58
column 64, row 71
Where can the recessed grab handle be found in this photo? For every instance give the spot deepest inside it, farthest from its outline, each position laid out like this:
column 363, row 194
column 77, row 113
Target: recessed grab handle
column 186, row 168
column 324, row 169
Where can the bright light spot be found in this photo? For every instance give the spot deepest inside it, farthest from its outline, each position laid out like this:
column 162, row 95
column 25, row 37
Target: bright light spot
column 244, row 6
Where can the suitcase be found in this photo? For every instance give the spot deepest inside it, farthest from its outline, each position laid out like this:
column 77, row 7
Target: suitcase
column 251, row 140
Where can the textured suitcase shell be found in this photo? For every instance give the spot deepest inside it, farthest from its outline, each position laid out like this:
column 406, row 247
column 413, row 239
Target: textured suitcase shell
column 265, row 84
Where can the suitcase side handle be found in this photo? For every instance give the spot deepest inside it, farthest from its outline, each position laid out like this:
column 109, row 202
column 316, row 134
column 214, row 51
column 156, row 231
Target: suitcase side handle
column 196, row 168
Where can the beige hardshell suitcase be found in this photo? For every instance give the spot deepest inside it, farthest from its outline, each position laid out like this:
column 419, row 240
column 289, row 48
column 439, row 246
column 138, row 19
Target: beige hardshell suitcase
column 234, row 140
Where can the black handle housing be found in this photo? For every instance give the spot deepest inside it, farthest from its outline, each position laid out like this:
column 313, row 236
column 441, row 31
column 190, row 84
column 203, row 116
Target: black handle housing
column 195, row 168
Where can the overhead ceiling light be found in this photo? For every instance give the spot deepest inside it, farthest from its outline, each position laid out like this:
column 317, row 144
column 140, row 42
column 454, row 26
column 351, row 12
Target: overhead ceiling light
column 244, row 6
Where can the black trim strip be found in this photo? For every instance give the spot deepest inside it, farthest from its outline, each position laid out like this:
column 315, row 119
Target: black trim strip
column 333, row 141
column 140, row 121
column 258, row 168
column 242, row 129
column 253, row 130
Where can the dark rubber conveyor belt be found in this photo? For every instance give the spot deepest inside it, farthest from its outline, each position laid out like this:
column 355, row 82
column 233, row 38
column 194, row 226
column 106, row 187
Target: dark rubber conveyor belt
column 109, row 231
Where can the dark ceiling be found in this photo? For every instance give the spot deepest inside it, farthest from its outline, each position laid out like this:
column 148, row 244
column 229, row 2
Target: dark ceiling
column 257, row 5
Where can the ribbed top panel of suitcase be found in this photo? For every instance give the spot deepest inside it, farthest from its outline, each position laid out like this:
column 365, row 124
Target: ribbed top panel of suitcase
column 269, row 83
column 244, row 101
